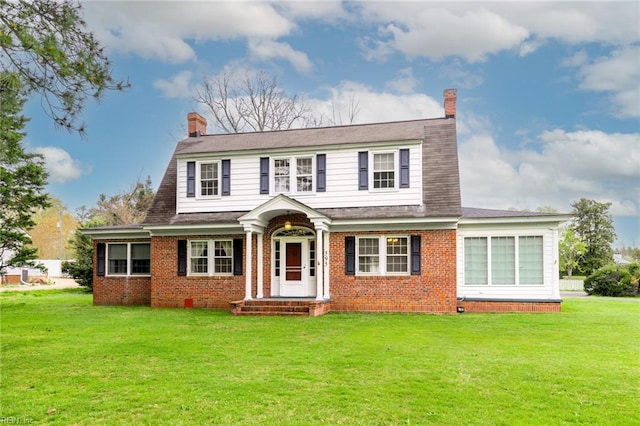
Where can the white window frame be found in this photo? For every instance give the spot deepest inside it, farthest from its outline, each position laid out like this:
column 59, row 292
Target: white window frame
column 217, row 166
column 211, row 257
column 382, row 255
column 293, row 174
column 129, row 272
column 489, row 259
column 372, row 171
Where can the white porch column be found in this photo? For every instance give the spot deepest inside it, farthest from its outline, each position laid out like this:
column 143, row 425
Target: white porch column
column 259, row 293
column 319, row 263
column 248, row 263
column 325, row 260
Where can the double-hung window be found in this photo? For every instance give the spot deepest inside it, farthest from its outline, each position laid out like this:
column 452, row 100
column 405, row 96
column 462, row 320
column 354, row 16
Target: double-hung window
column 211, row 257
column 503, row 260
column 304, row 174
column 293, row 175
column 210, row 179
column 282, row 175
column 128, row 259
column 383, row 255
column 118, row 259
column 369, row 255
column 384, row 166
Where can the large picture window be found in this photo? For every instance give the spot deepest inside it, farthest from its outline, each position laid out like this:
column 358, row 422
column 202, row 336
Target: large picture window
column 503, row 260
column 383, row 255
column 211, row 257
column 129, row 259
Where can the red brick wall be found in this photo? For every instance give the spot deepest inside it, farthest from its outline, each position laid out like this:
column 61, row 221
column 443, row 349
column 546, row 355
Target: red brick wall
column 120, row 290
column 432, row 291
column 170, row 290
column 508, row 306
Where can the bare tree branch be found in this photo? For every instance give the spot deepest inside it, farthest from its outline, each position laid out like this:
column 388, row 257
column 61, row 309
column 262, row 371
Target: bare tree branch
column 253, row 103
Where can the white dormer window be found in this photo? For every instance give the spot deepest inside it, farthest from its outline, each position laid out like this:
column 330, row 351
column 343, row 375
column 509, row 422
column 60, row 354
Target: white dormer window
column 209, row 179
column 384, row 167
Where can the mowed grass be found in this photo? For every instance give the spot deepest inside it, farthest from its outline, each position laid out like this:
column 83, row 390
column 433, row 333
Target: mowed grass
column 137, row 365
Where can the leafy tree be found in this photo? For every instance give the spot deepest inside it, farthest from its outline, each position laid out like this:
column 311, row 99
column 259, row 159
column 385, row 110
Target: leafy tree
column 46, row 44
column 128, row 207
column 572, row 249
column 54, row 227
column 81, row 267
column 22, row 179
column 594, row 226
column 125, row 208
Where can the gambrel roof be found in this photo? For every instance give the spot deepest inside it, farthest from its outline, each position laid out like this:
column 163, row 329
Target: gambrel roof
column 441, row 182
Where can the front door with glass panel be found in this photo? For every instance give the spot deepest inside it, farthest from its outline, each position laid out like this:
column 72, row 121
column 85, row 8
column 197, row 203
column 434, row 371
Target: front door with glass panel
column 294, row 273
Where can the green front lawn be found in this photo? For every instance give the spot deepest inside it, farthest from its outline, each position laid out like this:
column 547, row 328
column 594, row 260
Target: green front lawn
column 134, row 365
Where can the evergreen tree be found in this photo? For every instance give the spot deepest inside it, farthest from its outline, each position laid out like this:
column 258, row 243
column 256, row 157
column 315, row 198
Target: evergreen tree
column 47, row 46
column 593, row 224
column 22, row 179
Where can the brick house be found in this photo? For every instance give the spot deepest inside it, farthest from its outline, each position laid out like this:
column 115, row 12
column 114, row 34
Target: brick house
column 347, row 218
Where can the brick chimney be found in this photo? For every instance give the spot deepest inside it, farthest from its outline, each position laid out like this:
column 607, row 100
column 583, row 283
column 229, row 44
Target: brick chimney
column 197, row 124
column 450, row 97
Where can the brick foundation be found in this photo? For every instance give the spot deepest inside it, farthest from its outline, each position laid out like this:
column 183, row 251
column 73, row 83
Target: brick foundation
column 508, row 306
column 122, row 291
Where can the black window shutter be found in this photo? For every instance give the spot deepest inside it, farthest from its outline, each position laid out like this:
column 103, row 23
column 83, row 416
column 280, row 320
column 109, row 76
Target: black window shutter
column 321, row 171
column 363, row 170
column 264, row 175
column 415, row 254
column 226, row 177
column 101, row 249
column 191, row 179
column 349, row 255
column 237, row 256
column 182, row 257
column 404, row 168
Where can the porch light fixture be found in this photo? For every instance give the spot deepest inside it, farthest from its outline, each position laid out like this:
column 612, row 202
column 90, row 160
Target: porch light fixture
column 287, row 225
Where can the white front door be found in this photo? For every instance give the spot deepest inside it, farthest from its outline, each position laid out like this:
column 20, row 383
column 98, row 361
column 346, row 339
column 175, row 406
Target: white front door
column 293, row 283
column 294, row 273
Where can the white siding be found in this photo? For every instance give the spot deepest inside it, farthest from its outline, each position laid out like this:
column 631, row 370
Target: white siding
column 548, row 290
column 341, row 183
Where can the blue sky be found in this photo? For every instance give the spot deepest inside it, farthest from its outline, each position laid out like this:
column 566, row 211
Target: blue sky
column 548, row 92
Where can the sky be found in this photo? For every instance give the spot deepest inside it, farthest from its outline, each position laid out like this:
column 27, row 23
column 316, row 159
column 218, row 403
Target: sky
column 548, row 107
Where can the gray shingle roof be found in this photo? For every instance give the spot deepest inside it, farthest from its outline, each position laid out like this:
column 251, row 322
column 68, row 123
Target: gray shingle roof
column 441, row 188
column 472, row 212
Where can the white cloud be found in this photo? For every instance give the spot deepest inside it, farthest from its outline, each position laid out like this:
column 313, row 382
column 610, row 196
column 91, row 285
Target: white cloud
column 330, row 10
column 160, row 30
column 460, row 77
column 441, row 30
column 474, row 30
column 269, row 49
column 568, row 166
column 372, row 106
column 619, row 75
column 178, row 86
column 578, row 59
column 59, row 164
column 405, row 82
